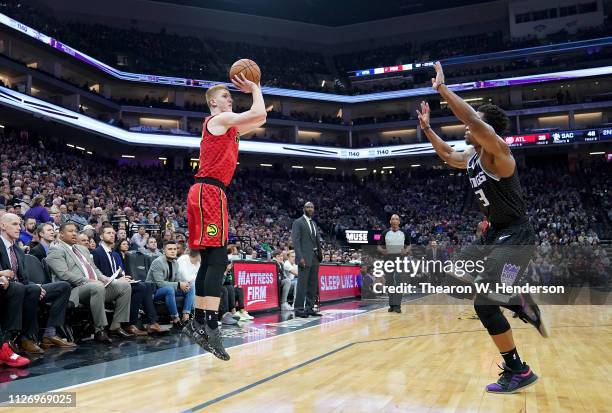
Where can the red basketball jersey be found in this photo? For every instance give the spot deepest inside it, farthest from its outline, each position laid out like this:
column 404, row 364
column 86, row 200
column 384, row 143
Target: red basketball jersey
column 218, row 154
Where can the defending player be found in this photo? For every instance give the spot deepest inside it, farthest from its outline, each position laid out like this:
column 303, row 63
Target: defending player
column 207, row 204
column 508, row 242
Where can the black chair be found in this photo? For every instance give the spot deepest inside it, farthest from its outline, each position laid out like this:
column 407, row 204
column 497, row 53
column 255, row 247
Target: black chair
column 149, row 258
column 137, row 265
column 38, row 273
column 35, row 270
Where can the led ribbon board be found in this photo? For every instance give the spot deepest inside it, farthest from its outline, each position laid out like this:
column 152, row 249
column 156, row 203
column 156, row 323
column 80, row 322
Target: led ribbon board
column 328, row 97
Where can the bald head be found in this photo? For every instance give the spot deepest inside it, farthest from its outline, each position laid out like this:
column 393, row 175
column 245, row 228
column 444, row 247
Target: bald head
column 10, row 226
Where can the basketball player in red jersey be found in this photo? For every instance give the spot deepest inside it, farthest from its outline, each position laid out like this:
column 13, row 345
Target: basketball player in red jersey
column 207, row 204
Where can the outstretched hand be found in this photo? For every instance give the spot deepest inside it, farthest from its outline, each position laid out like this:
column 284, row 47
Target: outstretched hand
column 439, row 79
column 424, row 115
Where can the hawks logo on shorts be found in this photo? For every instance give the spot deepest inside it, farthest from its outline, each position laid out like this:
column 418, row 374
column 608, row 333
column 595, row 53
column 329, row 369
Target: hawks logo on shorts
column 207, row 216
column 212, row 230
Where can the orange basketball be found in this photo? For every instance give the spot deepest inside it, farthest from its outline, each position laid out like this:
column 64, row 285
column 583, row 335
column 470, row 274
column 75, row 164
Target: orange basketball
column 248, row 67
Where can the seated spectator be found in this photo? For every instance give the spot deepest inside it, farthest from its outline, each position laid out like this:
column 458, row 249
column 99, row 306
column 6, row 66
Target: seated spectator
column 71, row 262
column 83, row 240
column 122, row 246
column 122, row 234
column 188, row 266
column 290, row 272
column 139, row 239
column 181, row 247
column 285, row 283
column 151, row 247
column 46, row 235
column 109, row 262
column 164, row 274
column 27, row 233
column 233, row 294
column 12, row 263
column 38, row 211
column 11, row 299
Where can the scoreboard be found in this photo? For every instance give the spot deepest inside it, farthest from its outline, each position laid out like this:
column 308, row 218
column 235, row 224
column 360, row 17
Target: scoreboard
column 561, row 137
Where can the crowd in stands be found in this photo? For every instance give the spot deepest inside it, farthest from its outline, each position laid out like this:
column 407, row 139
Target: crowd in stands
column 210, row 59
column 94, row 205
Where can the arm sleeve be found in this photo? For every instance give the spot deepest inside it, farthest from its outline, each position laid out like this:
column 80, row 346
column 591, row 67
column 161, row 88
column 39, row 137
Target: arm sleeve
column 295, row 239
column 406, row 238
column 46, row 216
column 381, row 241
column 57, row 264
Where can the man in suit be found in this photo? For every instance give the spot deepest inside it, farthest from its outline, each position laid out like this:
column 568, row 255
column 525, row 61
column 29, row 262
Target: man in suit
column 12, row 258
column 108, row 262
column 46, row 234
column 71, row 262
column 11, row 302
column 308, row 254
column 164, row 273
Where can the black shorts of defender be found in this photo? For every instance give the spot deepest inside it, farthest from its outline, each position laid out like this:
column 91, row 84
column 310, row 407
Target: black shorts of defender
column 504, row 253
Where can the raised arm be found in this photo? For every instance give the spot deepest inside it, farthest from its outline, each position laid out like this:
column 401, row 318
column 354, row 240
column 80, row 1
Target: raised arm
column 482, row 133
column 245, row 122
column 444, row 150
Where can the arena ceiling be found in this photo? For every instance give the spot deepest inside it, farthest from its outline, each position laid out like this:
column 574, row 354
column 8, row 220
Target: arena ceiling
column 327, row 12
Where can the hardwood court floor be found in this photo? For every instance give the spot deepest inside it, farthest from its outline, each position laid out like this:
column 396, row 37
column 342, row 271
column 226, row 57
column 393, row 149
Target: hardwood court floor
column 423, row 360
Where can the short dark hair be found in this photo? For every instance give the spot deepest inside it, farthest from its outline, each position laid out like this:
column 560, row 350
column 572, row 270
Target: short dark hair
column 41, row 228
column 495, row 117
column 194, row 253
column 170, row 242
column 63, row 227
column 277, row 253
column 106, row 226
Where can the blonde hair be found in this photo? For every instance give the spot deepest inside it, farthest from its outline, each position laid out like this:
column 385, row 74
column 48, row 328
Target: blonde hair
column 210, row 93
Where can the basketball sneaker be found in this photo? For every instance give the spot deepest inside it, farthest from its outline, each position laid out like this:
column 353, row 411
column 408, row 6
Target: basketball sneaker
column 511, row 381
column 207, row 338
column 10, row 358
column 529, row 312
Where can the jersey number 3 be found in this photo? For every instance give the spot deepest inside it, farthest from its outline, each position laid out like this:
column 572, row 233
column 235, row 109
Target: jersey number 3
column 482, row 197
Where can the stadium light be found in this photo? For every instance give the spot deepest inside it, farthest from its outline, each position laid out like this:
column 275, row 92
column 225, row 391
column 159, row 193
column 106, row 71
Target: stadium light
column 89, row 153
column 297, row 166
column 361, row 169
column 265, row 164
column 69, row 145
column 162, row 159
column 388, row 167
column 596, row 153
column 416, row 165
column 80, row 148
column 325, row 167
column 128, row 156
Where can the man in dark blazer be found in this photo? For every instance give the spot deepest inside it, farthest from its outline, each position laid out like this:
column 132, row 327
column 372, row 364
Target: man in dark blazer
column 108, row 261
column 12, row 258
column 308, row 255
column 46, row 235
